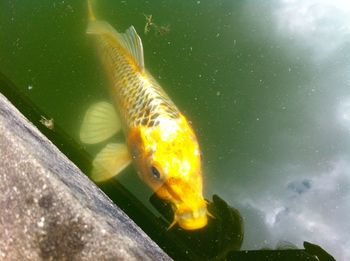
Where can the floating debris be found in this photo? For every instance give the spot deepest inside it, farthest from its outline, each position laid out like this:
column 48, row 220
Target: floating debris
column 158, row 29
column 48, row 123
column 163, row 29
column 148, row 24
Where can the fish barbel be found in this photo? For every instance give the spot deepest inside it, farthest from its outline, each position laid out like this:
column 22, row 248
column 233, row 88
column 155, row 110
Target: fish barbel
column 159, row 139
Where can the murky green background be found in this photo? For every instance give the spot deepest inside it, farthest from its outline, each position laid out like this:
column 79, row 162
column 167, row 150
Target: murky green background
column 266, row 85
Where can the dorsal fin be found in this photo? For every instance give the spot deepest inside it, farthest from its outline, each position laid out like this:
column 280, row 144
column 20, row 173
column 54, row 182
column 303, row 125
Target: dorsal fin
column 130, row 40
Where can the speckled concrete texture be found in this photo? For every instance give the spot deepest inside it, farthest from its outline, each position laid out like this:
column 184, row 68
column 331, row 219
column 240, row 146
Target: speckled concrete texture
column 49, row 210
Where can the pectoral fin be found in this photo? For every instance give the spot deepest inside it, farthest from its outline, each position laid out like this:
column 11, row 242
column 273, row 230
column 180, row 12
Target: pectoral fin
column 110, row 161
column 100, row 123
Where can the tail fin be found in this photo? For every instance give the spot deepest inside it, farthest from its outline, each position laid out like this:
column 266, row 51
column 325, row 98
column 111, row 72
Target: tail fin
column 91, row 14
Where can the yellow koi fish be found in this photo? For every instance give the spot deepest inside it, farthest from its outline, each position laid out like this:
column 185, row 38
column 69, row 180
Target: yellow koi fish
column 159, row 140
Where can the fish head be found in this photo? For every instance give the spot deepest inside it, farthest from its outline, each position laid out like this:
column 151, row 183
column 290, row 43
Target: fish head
column 168, row 159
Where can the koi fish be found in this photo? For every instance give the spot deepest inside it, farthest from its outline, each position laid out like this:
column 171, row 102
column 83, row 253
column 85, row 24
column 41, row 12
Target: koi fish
column 159, row 139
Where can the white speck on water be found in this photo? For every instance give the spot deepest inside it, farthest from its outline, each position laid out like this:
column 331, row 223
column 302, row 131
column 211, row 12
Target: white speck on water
column 30, row 87
column 218, row 93
column 258, row 119
column 289, row 69
column 198, row 2
column 217, row 35
column 41, row 222
column 199, row 76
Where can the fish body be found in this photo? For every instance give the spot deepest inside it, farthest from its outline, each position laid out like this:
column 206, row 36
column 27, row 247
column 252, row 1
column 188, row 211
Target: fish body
column 160, row 141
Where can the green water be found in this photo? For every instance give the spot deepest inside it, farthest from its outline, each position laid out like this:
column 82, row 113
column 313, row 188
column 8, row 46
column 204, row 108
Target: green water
column 266, row 86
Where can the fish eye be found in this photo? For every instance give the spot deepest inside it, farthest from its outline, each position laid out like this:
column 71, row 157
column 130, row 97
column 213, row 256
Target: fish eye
column 155, row 173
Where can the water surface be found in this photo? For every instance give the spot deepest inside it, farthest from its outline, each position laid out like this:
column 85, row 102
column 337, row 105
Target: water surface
column 266, row 86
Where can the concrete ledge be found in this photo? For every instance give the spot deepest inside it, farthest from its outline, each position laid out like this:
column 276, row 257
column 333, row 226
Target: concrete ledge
column 50, row 210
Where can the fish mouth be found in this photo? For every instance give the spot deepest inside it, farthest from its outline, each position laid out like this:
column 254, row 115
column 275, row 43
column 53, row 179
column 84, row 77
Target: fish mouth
column 192, row 219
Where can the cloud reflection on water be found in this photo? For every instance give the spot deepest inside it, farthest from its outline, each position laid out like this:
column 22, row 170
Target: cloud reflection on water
column 306, row 198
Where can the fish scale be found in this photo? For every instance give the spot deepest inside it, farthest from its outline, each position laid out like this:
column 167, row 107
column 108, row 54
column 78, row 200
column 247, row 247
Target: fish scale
column 134, row 91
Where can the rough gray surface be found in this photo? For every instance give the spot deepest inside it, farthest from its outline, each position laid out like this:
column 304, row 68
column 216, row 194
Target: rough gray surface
column 49, row 210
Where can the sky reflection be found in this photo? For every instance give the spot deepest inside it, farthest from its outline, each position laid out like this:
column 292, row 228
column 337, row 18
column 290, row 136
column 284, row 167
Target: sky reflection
column 302, row 191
